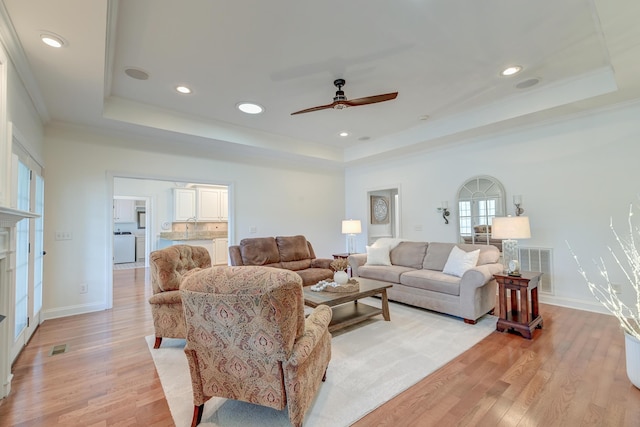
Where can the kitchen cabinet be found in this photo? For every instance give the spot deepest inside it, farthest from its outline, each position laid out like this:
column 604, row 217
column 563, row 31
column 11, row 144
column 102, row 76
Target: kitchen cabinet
column 184, row 203
column 140, row 246
column 124, row 210
column 202, row 203
column 221, row 252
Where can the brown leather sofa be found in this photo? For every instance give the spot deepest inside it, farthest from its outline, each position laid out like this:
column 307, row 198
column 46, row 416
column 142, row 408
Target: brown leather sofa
column 293, row 253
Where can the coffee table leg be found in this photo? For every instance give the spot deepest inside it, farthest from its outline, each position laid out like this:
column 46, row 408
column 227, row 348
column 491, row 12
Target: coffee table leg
column 385, row 306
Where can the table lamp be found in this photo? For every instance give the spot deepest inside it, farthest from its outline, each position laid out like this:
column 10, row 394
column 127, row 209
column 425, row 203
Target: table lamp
column 511, row 228
column 351, row 227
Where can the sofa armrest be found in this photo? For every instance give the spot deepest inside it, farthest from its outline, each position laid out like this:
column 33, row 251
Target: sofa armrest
column 235, row 257
column 321, row 263
column 479, row 276
column 316, row 325
column 355, row 261
column 168, row 297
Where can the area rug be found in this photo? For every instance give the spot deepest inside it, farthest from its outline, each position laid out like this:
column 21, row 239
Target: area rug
column 371, row 362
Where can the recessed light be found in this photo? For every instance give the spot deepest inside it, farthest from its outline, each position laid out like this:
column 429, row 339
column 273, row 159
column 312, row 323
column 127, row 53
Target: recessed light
column 424, row 117
column 183, row 89
column 250, row 108
column 510, row 71
column 343, row 134
column 52, row 40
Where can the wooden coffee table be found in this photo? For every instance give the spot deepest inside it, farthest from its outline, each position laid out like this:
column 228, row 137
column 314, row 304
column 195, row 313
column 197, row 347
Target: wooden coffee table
column 345, row 314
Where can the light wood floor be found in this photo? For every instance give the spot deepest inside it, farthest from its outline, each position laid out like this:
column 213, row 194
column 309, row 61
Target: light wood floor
column 571, row 374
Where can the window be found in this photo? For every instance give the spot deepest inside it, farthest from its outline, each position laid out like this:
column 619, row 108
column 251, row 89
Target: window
column 480, row 199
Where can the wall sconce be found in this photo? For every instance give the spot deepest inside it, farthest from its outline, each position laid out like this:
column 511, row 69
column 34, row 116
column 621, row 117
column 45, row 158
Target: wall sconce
column 444, row 210
column 517, row 201
column 351, row 227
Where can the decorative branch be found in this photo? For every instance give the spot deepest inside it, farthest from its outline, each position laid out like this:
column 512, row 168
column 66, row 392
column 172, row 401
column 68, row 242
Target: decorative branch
column 629, row 317
column 340, row 264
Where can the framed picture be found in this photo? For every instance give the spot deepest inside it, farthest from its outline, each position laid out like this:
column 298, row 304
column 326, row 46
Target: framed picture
column 142, row 219
column 379, row 210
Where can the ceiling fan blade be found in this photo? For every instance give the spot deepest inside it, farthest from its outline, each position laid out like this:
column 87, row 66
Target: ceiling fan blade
column 318, row 108
column 371, row 99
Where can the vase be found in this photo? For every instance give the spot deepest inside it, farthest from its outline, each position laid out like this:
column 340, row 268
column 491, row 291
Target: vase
column 340, row 277
column 632, row 350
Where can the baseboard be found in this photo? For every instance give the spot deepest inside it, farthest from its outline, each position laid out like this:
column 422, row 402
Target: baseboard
column 577, row 304
column 72, row 310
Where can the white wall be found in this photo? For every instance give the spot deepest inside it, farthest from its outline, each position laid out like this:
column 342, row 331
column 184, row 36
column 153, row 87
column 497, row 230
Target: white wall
column 573, row 176
column 79, row 189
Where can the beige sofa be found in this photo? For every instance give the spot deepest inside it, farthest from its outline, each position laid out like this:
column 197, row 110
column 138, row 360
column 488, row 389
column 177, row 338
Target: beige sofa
column 293, row 253
column 416, row 270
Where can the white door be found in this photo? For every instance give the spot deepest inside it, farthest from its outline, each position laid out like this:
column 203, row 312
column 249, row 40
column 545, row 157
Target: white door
column 29, row 253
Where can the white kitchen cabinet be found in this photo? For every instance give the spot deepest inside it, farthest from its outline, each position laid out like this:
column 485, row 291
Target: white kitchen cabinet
column 212, row 204
column 184, row 203
column 207, row 204
column 221, row 252
column 124, row 210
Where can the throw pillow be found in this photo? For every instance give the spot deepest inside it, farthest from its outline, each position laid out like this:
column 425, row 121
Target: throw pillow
column 388, row 242
column 460, row 261
column 378, row 255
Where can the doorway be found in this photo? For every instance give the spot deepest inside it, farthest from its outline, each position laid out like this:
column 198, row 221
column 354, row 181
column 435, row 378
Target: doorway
column 29, row 245
column 158, row 217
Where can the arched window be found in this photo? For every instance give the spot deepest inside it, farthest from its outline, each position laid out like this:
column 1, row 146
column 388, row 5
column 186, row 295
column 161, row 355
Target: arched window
column 480, row 199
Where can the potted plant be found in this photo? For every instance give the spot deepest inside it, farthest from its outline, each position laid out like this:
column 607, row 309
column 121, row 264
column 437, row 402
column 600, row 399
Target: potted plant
column 340, row 266
column 607, row 295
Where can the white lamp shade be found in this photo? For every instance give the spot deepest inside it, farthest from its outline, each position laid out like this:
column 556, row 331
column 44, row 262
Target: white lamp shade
column 510, row 227
column 351, row 226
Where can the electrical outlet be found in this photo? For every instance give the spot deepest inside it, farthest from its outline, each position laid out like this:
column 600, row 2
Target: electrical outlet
column 253, row 229
column 83, row 288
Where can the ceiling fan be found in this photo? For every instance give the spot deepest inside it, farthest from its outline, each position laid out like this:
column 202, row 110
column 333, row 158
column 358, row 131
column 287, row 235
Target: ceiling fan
column 340, row 101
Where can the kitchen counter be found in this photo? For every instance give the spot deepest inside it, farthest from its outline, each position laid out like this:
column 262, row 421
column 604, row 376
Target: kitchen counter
column 197, row 235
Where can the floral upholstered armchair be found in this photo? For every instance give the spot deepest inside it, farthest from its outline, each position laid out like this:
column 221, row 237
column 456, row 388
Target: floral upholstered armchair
column 169, row 267
column 248, row 339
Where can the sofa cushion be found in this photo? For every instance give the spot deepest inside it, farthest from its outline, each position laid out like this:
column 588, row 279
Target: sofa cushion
column 431, row 280
column 293, row 248
column 460, row 261
column 311, row 276
column 385, row 273
column 409, row 254
column 378, row 255
column 259, row 251
column 438, row 253
column 296, row 265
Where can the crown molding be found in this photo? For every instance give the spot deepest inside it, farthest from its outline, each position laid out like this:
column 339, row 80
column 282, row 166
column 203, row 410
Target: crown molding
column 12, row 44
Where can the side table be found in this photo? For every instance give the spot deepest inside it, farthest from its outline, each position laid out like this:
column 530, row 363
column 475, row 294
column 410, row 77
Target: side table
column 519, row 303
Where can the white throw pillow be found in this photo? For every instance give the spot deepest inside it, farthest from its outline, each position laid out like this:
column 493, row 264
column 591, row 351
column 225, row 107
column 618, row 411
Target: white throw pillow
column 378, row 255
column 389, row 242
column 460, row 261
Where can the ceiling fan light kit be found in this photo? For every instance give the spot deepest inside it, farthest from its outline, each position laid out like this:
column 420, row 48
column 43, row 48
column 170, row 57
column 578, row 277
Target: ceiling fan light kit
column 341, row 102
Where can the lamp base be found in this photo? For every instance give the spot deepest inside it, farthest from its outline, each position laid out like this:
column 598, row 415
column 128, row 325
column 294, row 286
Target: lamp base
column 510, row 252
column 351, row 243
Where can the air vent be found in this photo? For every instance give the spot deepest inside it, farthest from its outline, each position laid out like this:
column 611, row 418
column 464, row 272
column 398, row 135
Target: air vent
column 540, row 261
column 58, row 349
